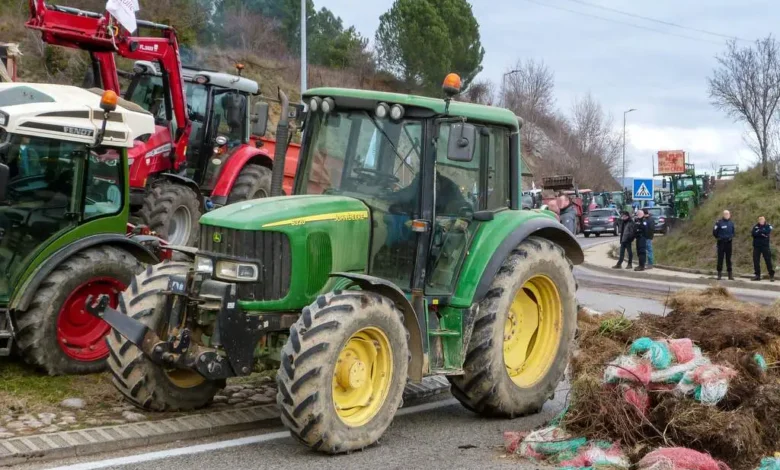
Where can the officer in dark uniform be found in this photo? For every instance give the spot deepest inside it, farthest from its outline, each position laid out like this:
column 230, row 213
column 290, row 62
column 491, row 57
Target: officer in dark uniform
column 761, row 233
column 640, row 232
column 724, row 234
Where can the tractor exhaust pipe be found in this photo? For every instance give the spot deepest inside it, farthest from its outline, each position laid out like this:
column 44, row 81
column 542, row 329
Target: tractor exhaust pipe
column 280, row 151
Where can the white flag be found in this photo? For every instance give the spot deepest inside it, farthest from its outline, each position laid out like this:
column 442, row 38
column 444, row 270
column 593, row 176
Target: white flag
column 124, row 12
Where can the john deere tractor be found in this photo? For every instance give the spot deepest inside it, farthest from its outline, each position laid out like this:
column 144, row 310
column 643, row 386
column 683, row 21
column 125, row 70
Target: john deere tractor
column 63, row 220
column 403, row 252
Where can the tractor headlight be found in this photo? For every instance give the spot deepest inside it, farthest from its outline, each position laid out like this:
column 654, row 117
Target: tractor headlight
column 204, row 265
column 235, row 271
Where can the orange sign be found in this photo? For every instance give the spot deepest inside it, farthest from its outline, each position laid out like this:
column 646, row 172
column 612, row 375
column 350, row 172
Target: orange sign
column 671, row 162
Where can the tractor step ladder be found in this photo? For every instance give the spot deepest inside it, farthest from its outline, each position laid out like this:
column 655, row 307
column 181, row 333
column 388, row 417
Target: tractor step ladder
column 6, row 333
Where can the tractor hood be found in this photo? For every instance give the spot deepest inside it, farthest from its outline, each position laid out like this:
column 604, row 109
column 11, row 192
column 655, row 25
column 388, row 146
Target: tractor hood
column 286, row 211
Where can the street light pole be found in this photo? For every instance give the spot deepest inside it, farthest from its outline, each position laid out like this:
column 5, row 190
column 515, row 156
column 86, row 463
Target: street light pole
column 623, row 182
column 303, row 48
column 503, row 84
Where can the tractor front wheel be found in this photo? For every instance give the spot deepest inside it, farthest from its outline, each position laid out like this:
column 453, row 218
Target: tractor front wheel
column 522, row 336
column 343, row 371
column 56, row 333
column 172, row 210
column 253, row 182
column 142, row 382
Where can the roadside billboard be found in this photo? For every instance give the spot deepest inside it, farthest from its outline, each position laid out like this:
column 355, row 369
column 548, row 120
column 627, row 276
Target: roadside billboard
column 671, row 162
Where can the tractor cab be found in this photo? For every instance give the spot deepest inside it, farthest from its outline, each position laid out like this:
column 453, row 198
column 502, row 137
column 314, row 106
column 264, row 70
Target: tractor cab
column 218, row 105
column 53, row 176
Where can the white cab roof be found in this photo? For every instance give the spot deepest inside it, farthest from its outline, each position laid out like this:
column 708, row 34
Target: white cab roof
column 70, row 113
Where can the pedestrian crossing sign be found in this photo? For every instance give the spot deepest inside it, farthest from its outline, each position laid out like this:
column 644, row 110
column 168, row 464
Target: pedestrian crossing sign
column 643, row 189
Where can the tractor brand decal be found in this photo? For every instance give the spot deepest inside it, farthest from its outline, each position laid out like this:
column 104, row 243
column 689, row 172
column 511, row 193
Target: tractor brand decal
column 336, row 216
column 162, row 149
column 78, row 131
column 217, row 237
column 146, row 48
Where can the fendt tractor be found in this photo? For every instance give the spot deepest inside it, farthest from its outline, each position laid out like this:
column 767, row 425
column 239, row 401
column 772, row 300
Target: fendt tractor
column 200, row 153
column 64, row 236
column 403, row 252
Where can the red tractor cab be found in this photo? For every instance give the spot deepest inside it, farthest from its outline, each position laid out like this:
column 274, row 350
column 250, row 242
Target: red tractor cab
column 566, row 203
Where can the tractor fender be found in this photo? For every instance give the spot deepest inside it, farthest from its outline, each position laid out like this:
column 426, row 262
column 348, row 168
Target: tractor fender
column 232, row 167
column 543, row 227
column 30, row 287
column 392, row 292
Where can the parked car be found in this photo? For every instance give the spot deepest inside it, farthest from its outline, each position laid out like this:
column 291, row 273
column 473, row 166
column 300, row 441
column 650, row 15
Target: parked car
column 600, row 221
column 663, row 218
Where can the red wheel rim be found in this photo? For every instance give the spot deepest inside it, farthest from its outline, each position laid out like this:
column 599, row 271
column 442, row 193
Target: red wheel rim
column 79, row 334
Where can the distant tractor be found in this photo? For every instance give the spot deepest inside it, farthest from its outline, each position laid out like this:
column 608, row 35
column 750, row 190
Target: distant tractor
column 64, row 202
column 402, row 252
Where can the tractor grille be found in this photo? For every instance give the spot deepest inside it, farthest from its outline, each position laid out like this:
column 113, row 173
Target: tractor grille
column 270, row 249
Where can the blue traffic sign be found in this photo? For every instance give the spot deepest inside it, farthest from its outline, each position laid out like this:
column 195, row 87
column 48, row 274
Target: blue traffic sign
column 643, row 189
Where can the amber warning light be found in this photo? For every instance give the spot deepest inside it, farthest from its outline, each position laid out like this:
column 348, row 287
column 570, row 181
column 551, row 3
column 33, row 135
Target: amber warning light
column 108, row 101
column 452, row 84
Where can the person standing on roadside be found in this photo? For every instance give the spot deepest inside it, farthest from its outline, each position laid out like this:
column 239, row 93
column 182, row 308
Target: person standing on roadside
column 761, row 233
column 640, row 232
column 724, row 233
column 649, row 234
column 626, row 238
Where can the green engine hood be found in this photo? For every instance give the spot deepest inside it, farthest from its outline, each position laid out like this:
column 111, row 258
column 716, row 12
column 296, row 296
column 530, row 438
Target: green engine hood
column 277, row 212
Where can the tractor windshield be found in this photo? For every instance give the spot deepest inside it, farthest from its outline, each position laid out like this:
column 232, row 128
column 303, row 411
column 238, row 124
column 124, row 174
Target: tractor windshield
column 684, row 184
column 46, row 196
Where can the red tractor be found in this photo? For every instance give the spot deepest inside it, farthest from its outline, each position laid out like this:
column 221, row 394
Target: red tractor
column 202, row 153
column 564, row 201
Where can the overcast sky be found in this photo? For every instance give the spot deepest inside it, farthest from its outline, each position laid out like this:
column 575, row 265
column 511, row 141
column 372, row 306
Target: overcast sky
column 661, row 74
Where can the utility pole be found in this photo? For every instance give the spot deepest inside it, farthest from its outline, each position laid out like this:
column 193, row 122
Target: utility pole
column 304, row 68
column 623, row 182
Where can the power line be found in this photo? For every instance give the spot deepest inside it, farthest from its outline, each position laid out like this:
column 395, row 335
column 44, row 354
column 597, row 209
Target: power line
column 655, row 20
column 633, row 25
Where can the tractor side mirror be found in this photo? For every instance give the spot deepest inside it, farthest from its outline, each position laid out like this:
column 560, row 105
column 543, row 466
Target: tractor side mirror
column 663, row 183
column 462, row 139
column 4, row 176
column 260, row 119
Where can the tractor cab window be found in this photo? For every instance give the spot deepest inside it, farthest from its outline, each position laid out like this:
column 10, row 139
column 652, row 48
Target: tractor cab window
column 104, row 182
column 230, row 116
column 42, row 198
column 355, row 154
column 147, row 92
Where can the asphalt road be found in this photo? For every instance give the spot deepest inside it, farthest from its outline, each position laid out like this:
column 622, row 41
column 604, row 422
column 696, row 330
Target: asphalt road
column 434, row 435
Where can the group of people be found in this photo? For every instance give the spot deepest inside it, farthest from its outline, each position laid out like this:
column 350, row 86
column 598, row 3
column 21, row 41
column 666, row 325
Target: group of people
column 639, row 230
column 724, row 231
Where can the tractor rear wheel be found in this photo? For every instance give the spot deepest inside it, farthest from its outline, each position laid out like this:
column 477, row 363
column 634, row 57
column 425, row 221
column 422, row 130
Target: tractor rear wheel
column 343, row 371
column 56, row 333
column 142, row 382
column 522, row 336
column 172, row 210
column 253, row 182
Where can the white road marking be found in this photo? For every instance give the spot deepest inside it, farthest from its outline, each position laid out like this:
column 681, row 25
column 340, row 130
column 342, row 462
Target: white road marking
column 164, row 454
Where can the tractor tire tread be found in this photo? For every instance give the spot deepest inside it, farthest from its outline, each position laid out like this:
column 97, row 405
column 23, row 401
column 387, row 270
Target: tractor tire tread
column 252, row 179
column 160, row 203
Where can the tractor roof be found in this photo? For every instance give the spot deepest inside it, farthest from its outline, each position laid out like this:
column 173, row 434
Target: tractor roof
column 224, row 80
column 476, row 112
column 70, row 113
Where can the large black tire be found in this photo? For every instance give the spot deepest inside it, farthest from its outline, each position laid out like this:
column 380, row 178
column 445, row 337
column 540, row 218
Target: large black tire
column 253, row 182
column 165, row 204
column 310, row 356
column 142, row 382
column 587, row 235
column 38, row 338
column 486, row 387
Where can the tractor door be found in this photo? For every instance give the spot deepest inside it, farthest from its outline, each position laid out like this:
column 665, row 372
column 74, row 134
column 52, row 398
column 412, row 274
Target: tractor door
column 228, row 118
column 461, row 189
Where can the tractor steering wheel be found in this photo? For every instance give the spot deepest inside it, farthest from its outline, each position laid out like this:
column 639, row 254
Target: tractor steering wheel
column 379, row 176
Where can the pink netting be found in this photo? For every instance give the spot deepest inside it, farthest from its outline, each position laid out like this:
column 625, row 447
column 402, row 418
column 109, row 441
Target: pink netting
column 679, row 458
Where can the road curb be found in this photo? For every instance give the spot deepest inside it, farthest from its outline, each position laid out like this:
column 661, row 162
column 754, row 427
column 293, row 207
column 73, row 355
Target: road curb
column 65, row 444
column 650, row 275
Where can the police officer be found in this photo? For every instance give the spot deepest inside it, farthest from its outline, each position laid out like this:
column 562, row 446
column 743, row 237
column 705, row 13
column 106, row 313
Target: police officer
column 761, row 232
column 640, row 232
column 724, row 234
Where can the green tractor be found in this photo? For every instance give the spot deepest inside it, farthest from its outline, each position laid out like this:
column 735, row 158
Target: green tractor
column 403, row 252
column 687, row 190
column 63, row 221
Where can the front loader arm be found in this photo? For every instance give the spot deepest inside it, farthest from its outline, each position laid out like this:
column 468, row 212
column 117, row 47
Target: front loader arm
column 100, row 35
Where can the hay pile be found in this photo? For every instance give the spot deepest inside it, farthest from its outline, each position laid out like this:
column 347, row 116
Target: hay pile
column 740, row 430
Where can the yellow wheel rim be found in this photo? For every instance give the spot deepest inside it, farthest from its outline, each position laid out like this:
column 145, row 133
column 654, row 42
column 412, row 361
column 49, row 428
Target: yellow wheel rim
column 184, row 378
column 362, row 376
column 532, row 331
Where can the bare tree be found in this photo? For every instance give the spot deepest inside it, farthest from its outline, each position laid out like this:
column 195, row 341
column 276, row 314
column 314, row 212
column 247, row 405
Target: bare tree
column 594, row 137
column 746, row 85
column 480, row 92
column 528, row 89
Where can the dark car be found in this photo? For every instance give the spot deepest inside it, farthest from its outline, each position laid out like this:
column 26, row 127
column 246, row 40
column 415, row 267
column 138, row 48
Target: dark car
column 663, row 218
column 600, row 221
